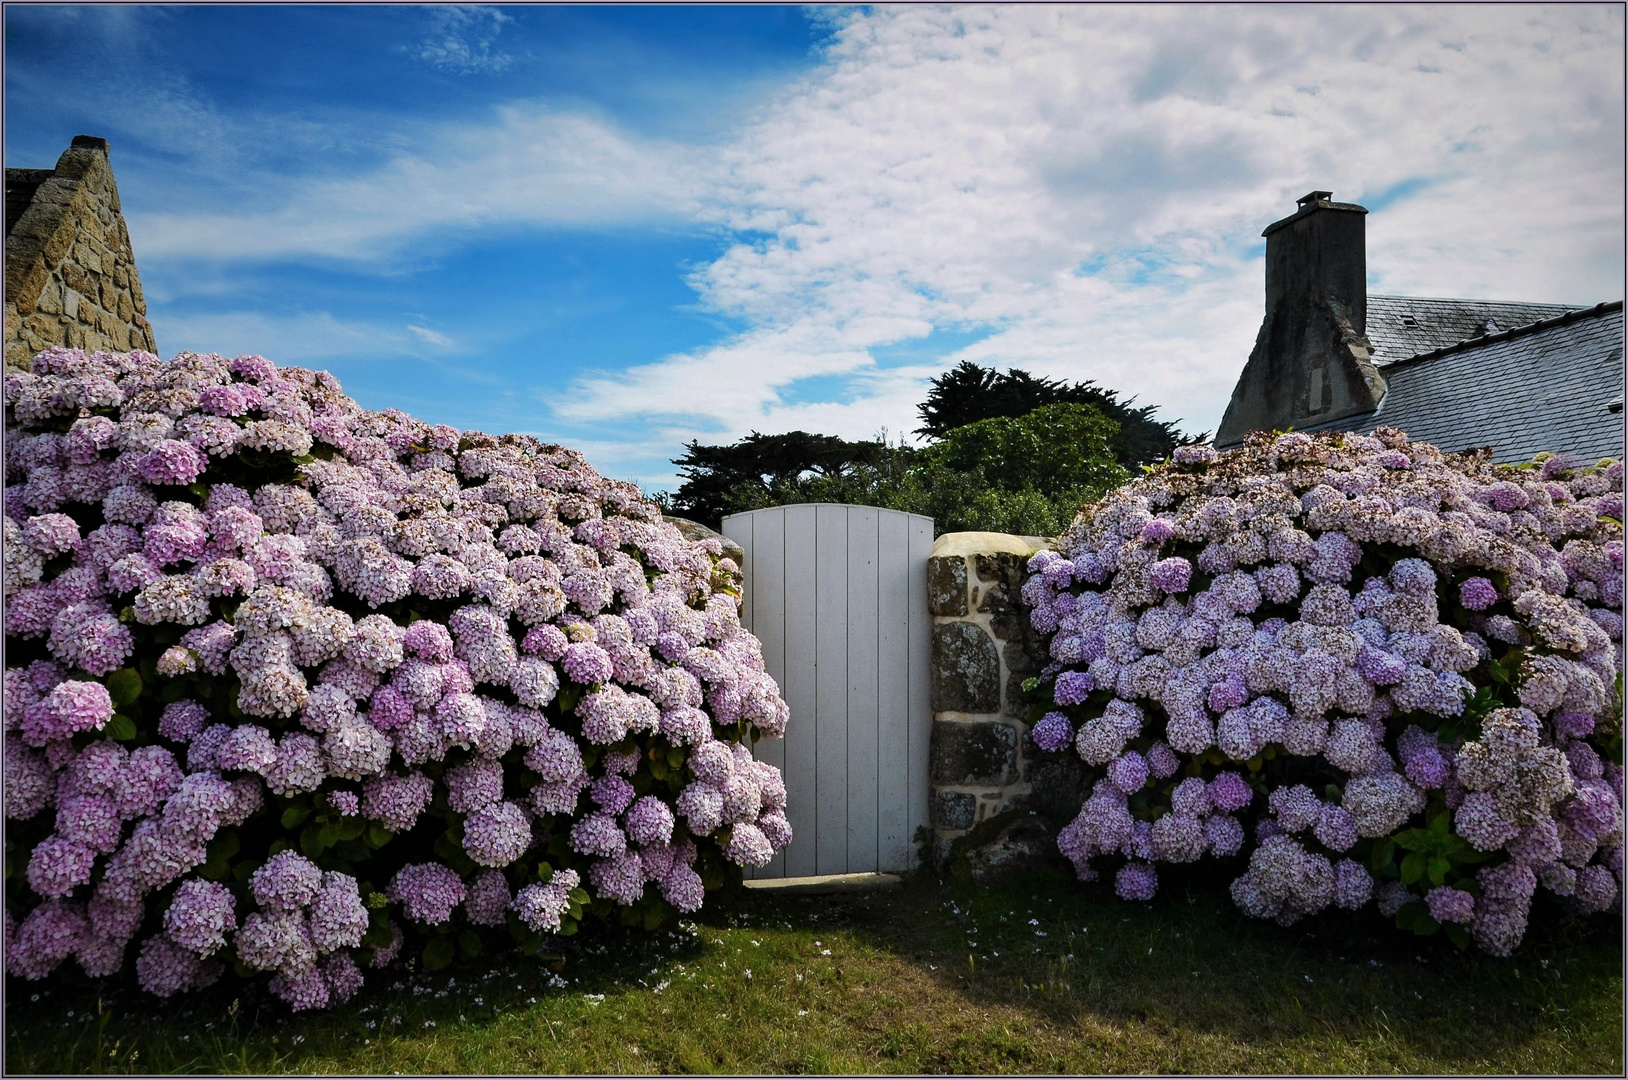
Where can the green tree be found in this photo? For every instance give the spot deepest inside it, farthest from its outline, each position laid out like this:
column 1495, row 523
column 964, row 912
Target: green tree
column 761, row 470
column 969, row 392
column 1026, row 475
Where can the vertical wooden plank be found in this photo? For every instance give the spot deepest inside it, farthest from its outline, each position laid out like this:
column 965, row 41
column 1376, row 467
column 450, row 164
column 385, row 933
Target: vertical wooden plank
column 921, row 713
column 862, row 687
column 893, row 825
column 769, row 612
column 831, row 680
column 800, row 687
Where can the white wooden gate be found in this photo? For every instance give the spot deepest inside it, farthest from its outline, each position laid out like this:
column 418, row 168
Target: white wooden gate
column 838, row 596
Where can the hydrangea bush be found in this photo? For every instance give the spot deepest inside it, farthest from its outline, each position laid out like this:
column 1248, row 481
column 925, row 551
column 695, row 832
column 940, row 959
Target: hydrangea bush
column 301, row 688
column 1370, row 672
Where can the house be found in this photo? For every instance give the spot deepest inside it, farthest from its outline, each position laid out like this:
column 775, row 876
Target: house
column 70, row 273
column 1520, row 378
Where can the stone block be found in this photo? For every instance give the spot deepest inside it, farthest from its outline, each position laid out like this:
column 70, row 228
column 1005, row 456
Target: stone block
column 26, row 275
column 125, row 308
column 50, row 298
column 947, row 585
column 983, row 752
column 1057, row 786
column 1013, row 702
column 70, row 304
column 964, row 669
column 44, row 327
column 85, row 254
column 1020, row 660
column 120, row 333
column 1023, row 845
column 954, row 810
column 74, row 276
column 1003, row 572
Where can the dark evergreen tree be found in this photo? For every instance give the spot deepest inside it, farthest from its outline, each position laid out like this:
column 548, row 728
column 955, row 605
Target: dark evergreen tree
column 970, row 392
column 761, row 470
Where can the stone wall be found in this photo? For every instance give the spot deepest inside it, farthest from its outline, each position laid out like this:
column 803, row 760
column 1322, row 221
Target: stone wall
column 70, row 273
column 982, row 649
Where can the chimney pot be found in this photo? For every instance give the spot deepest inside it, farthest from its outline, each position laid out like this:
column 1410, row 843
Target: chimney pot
column 1314, row 197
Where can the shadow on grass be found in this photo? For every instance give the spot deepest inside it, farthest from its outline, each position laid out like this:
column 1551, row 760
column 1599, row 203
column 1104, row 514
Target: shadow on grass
column 1217, row 989
column 1038, row 975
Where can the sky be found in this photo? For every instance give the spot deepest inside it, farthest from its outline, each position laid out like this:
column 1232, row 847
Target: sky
column 623, row 228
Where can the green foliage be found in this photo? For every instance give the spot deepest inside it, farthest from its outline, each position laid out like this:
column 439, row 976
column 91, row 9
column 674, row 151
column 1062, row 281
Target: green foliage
column 761, row 470
column 1011, row 453
column 969, row 393
column 1026, row 475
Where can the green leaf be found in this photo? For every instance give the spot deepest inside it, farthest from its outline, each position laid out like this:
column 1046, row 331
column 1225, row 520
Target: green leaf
column 349, row 828
column 1411, row 839
column 124, row 687
column 469, row 944
column 225, row 844
column 378, row 835
column 311, row 842
column 120, row 729
column 567, row 927
column 1459, row 936
column 438, row 953
column 578, row 895
column 1382, row 854
column 295, row 815
column 1413, row 868
column 1437, row 869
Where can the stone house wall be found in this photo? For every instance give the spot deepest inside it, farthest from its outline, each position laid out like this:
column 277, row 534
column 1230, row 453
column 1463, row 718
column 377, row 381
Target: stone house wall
column 70, row 273
column 982, row 760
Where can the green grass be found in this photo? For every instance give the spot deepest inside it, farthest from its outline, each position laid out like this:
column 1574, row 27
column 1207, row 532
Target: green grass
column 893, row 982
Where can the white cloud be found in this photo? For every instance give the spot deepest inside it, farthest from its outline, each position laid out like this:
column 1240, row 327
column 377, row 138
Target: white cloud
column 957, row 168
column 287, row 339
column 461, row 39
column 424, row 333
column 530, row 166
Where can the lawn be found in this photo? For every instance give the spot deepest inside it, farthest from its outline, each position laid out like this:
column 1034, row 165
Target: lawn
column 1041, row 975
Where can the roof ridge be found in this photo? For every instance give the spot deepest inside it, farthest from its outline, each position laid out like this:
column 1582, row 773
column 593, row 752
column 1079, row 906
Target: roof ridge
column 1467, row 300
column 1574, row 315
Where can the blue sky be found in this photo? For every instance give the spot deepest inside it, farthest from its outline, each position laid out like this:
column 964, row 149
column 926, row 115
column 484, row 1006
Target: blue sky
column 621, row 228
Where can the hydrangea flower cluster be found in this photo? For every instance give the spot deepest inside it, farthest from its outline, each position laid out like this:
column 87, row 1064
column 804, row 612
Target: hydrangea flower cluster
column 292, row 685
column 1373, row 672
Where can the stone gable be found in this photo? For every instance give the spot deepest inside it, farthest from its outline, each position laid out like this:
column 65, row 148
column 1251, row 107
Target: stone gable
column 70, row 273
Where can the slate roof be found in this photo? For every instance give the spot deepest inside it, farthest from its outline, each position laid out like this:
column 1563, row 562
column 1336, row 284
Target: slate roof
column 1404, row 326
column 1556, row 384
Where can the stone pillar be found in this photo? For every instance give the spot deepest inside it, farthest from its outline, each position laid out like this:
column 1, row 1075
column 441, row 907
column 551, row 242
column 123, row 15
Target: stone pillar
column 982, row 650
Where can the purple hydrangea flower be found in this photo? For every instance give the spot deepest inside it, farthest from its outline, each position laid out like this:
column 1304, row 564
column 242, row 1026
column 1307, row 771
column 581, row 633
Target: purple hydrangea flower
column 1136, row 881
column 427, row 892
column 1477, row 594
column 1170, row 575
column 1072, row 688
column 1053, row 732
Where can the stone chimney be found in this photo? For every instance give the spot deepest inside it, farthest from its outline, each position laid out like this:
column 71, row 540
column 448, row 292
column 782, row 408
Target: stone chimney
column 1311, row 363
column 70, row 274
